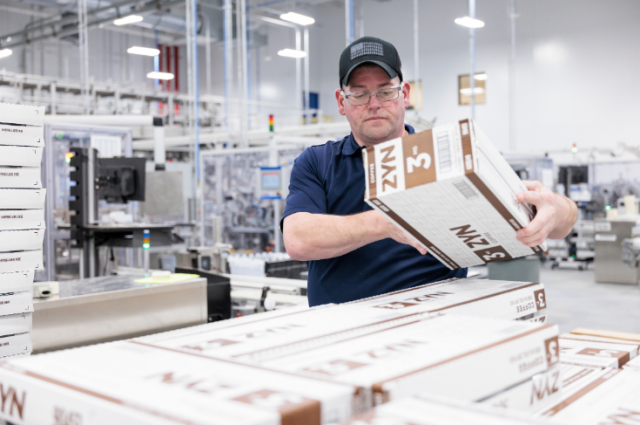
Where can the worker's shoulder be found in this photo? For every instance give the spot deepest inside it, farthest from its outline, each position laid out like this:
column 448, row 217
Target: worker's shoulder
column 325, row 150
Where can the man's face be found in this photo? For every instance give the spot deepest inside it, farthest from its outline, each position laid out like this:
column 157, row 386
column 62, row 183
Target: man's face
column 377, row 121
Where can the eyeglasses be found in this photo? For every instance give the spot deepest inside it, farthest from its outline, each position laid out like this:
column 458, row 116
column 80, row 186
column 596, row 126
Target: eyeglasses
column 383, row 95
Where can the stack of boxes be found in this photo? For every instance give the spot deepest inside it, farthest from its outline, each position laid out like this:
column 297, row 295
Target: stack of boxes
column 22, row 222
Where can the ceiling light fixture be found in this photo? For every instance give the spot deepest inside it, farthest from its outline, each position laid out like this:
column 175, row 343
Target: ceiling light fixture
column 469, row 22
column 297, row 18
column 131, row 19
column 144, row 51
column 5, row 52
column 290, row 53
column 481, row 77
column 160, row 75
column 467, row 91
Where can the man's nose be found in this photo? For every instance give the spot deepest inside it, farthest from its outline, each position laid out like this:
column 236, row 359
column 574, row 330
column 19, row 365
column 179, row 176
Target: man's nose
column 374, row 103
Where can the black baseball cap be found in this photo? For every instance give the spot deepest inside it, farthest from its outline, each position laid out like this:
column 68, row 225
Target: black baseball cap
column 369, row 50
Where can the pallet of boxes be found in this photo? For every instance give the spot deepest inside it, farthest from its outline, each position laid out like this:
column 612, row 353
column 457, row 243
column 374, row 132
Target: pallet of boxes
column 22, row 222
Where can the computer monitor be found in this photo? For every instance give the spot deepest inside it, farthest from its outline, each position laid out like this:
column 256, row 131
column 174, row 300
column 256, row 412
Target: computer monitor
column 120, row 180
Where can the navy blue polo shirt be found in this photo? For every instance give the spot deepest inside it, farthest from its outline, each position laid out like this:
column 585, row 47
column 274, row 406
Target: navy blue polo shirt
column 329, row 179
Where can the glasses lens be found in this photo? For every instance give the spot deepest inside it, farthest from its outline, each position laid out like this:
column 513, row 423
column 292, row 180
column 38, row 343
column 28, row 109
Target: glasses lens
column 357, row 99
column 388, row 94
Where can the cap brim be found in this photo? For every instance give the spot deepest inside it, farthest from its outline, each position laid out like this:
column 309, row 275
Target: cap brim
column 387, row 68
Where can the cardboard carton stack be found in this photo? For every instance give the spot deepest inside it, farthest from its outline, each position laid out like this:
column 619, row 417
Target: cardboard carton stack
column 451, row 190
column 22, row 222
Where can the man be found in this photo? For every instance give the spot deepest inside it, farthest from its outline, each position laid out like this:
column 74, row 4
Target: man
column 353, row 251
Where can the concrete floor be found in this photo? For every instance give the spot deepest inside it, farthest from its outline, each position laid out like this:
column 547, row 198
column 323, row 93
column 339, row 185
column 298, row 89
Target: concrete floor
column 575, row 300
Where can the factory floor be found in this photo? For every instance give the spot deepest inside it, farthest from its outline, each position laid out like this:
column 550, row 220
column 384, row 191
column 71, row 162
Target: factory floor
column 575, row 300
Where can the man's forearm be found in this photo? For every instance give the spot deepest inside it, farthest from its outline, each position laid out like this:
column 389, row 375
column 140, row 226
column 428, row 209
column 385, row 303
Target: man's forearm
column 568, row 218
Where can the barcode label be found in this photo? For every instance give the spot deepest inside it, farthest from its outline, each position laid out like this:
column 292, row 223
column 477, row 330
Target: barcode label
column 465, row 189
column 444, row 151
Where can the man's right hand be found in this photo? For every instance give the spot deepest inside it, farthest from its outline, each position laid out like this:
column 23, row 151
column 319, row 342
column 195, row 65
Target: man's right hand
column 394, row 232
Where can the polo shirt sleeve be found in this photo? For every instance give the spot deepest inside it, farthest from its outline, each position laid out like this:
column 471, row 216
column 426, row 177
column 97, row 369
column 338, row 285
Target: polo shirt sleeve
column 306, row 188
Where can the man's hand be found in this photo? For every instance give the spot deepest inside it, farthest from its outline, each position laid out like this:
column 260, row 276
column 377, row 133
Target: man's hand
column 555, row 217
column 390, row 230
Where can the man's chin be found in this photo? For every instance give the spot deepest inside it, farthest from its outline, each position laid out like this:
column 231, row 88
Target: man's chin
column 379, row 133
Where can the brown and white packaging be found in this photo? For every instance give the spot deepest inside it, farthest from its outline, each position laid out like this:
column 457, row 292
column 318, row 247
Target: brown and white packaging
column 426, row 409
column 607, row 336
column 20, row 156
column 22, row 115
column 130, row 382
column 22, row 199
column 16, row 346
column 14, row 135
column 22, row 260
column 16, row 303
column 258, row 340
column 15, row 324
column 452, row 191
column 596, row 353
column 20, row 178
column 633, row 364
column 22, row 219
column 19, row 281
column 469, row 358
column 612, row 398
column 19, row 240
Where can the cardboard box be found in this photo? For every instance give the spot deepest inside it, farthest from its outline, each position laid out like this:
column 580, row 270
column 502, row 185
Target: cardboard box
column 424, row 409
column 16, row 346
column 633, row 364
column 452, row 191
column 15, row 324
column 22, row 219
column 266, row 336
column 21, row 260
column 16, row 303
column 596, row 353
column 20, row 178
column 437, row 355
column 22, row 199
column 18, row 135
column 19, row 240
column 20, row 156
column 612, row 398
column 22, row 115
column 133, row 383
column 610, row 336
column 18, row 281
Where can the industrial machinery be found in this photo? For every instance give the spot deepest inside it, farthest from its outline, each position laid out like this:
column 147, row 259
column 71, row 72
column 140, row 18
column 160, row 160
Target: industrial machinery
column 615, row 247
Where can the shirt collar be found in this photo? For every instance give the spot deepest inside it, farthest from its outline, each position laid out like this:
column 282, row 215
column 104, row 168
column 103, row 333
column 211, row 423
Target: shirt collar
column 351, row 147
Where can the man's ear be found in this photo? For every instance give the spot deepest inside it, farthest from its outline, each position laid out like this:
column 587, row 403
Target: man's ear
column 406, row 89
column 340, row 101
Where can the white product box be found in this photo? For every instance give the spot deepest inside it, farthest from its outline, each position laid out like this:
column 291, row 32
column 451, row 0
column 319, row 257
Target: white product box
column 533, row 394
column 596, row 353
column 437, row 355
column 610, row 336
column 21, row 114
column 451, row 190
column 425, row 409
column 21, row 260
column 15, row 324
column 633, row 364
column 16, row 303
column 18, row 281
column 18, row 240
column 19, row 135
column 133, row 383
column 20, row 156
column 260, row 339
column 21, row 219
column 612, row 398
column 20, row 178
column 16, row 345
column 22, row 199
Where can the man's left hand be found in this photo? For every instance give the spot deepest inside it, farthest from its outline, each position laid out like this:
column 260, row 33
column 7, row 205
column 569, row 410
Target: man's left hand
column 554, row 219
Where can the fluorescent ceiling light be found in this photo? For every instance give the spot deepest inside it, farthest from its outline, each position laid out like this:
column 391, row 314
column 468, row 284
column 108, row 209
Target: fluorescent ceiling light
column 469, row 22
column 290, row 53
column 467, row 91
column 145, row 51
column 5, row 52
column 131, row 19
column 160, row 75
column 481, row 77
column 297, row 18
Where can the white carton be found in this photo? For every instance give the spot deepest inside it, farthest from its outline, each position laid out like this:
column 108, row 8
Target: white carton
column 18, row 240
column 22, row 219
column 452, row 191
column 468, row 358
column 18, row 281
column 14, row 135
column 21, row 260
column 16, row 345
column 20, row 178
column 633, row 364
column 596, row 353
column 16, row 303
column 20, row 156
column 258, row 340
column 21, row 114
column 15, row 324
column 134, row 383
column 22, row 199
column 613, row 398
column 425, row 409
